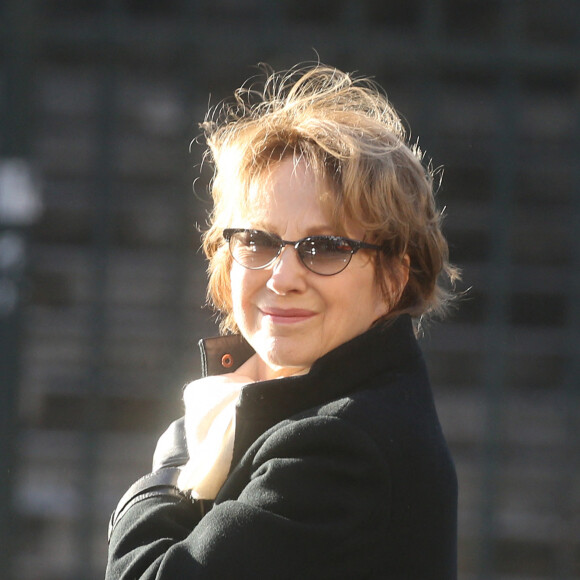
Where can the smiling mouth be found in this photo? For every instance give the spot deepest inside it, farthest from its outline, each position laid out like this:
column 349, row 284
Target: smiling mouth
column 287, row 316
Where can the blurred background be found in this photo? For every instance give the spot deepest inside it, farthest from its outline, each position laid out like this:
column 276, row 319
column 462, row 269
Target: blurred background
column 102, row 285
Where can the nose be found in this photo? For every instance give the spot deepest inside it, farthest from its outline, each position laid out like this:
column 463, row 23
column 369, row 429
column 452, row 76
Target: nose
column 288, row 274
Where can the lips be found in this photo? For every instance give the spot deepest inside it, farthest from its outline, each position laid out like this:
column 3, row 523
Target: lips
column 287, row 315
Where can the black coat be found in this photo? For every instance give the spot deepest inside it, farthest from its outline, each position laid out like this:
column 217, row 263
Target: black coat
column 340, row 473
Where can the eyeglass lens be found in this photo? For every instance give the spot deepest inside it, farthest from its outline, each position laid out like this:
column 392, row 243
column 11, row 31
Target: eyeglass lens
column 324, row 255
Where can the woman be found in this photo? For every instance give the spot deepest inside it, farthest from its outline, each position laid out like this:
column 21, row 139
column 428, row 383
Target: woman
column 312, row 448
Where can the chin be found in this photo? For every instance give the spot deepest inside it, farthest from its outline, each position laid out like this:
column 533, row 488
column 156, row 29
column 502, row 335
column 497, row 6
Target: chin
column 277, row 360
column 278, row 354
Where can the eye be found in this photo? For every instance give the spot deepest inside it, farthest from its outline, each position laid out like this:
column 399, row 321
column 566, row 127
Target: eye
column 334, row 245
column 259, row 239
column 343, row 246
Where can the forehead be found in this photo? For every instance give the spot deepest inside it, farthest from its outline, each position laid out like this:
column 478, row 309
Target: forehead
column 290, row 189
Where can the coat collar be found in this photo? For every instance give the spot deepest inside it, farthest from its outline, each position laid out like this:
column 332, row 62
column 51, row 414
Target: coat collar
column 389, row 347
column 223, row 354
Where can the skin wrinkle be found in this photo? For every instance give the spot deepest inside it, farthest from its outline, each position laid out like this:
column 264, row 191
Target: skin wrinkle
column 342, row 306
column 348, row 133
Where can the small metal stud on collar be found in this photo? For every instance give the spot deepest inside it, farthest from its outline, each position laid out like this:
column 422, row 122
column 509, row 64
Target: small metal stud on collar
column 227, row 361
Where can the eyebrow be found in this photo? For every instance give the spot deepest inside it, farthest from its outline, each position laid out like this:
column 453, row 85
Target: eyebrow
column 316, row 230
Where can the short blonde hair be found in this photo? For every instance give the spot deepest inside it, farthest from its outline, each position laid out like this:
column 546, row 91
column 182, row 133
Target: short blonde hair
column 351, row 137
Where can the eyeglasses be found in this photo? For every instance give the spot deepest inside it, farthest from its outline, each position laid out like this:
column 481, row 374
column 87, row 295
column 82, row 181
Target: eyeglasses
column 324, row 255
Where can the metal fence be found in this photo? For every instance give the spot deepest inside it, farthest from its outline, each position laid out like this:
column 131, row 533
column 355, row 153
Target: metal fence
column 101, row 294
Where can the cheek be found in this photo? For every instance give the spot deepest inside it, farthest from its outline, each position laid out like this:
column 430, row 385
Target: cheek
column 237, row 284
column 367, row 305
column 382, row 306
column 245, row 285
column 379, row 298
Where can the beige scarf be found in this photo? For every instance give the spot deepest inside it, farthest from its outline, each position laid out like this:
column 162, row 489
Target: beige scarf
column 210, row 415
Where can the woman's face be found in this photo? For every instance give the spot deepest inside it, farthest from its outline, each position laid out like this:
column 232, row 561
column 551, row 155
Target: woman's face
column 290, row 315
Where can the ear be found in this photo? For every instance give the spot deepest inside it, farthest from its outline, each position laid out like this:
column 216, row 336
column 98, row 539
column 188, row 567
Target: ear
column 405, row 266
column 396, row 278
